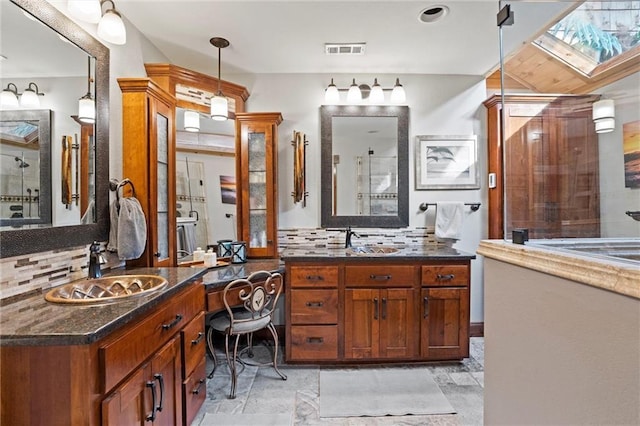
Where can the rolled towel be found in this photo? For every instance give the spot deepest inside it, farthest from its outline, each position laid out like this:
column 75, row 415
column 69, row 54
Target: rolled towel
column 449, row 219
column 132, row 229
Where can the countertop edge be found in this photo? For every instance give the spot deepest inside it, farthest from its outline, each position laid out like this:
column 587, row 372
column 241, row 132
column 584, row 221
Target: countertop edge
column 605, row 275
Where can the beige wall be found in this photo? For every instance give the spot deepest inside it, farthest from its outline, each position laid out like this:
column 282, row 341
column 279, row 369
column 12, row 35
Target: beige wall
column 558, row 352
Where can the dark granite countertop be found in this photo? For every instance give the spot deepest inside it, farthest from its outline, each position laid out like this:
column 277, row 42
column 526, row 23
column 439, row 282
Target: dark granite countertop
column 404, row 253
column 35, row 321
column 220, row 277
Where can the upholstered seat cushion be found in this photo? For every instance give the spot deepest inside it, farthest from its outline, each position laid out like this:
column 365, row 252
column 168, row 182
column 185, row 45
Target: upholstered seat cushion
column 243, row 322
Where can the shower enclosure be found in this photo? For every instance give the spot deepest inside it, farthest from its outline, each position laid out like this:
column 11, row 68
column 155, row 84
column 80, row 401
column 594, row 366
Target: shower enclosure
column 19, row 184
column 192, row 216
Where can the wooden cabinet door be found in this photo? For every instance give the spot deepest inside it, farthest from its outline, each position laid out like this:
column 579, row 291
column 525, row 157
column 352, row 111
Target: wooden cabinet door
column 361, row 323
column 131, row 403
column 379, row 323
column 398, row 332
column 445, row 323
column 257, row 182
column 166, row 372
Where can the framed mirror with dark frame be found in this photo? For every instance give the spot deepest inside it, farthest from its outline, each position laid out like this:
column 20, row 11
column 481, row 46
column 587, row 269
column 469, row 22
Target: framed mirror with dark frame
column 42, row 237
column 372, row 144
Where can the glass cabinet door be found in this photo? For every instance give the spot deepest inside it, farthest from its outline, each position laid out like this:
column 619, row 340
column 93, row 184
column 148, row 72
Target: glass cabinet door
column 257, row 190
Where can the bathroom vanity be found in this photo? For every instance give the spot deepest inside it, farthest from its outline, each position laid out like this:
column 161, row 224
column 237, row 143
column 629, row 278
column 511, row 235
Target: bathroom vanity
column 410, row 305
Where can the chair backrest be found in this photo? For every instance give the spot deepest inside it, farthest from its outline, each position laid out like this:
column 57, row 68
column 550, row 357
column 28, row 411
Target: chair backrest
column 257, row 295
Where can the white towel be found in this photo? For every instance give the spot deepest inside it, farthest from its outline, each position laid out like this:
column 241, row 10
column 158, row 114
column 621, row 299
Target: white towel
column 449, row 219
column 132, row 229
column 112, row 246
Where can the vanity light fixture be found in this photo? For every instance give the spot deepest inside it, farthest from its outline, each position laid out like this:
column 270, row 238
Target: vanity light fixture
column 356, row 93
column 111, row 27
column 191, row 121
column 219, row 102
column 9, row 97
column 29, row 98
column 86, row 105
column 398, row 95
column 604, row 115
column 85, row 10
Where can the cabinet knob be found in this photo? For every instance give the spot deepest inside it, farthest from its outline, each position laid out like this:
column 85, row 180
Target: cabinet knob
column 314, row 304
column 157, row 254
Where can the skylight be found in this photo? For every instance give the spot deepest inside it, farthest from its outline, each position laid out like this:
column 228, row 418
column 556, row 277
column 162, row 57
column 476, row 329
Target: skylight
column 594, row 33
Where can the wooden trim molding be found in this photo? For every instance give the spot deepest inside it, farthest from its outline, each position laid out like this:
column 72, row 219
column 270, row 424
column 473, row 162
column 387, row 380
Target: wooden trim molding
column 476, row 329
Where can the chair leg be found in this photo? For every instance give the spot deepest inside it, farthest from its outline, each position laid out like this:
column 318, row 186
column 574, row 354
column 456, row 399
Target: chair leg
column 274, row 333
column 212, row 351
column 234, row 374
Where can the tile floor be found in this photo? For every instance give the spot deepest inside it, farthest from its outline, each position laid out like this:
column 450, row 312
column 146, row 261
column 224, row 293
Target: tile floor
column 264, row 399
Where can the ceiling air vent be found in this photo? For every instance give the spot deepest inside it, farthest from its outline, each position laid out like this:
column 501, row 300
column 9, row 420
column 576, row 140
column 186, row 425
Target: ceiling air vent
column 344, row 48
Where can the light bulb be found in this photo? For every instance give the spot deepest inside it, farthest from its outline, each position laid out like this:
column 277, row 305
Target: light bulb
column 354, row 95
column 111, row 28
column 331, row 95
column 398, row 96
column 376, row 96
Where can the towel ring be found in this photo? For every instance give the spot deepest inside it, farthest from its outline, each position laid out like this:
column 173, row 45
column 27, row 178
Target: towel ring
column 121, row 184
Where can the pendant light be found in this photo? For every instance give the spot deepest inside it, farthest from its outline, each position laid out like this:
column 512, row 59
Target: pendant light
column 9, row 97
column 219, row 103
column 398, row 96
column 191, row 121
column 604, row 112
column 29, row 98
column 354, row 95
column 86, row 105
column 85, row 10
column 331, row 95
column 111, row 27
column 376, row 96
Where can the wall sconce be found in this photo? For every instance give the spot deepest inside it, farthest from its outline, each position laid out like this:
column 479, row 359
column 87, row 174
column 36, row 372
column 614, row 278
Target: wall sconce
column 110, row 25
column 86, row 105
column 9, row 97
column 219, row 103
column 356, row 93
column 604, row 115
column 28, row 99
column 191, row 121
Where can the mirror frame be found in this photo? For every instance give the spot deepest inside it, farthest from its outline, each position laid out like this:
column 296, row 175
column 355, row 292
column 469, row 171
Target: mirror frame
column 43, row 117
column 327, row 112
column 19, row 242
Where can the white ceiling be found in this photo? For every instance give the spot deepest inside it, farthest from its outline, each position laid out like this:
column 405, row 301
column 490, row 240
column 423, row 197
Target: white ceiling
column 288, row 36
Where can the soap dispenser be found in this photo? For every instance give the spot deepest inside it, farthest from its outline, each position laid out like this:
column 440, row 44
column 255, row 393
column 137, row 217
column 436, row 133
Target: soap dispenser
column 198, row 255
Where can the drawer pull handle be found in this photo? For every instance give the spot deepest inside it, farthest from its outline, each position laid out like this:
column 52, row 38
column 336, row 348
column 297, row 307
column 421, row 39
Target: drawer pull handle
column 375, row 308
column 445, row 277
column 384, row 308
column 172, row 323
column 426, row 306
column 160, row 380
column 316, row 340
column 196, row 390
column 151, row 417
column 315, row 304
column 196, row 341
column 315, row 278
column 380, row 277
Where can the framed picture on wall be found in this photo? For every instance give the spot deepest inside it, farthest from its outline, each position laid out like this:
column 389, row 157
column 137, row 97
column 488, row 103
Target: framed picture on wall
column 447, row 162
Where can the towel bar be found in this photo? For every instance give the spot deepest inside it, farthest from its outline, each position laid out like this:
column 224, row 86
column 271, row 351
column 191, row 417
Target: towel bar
column 474, row 206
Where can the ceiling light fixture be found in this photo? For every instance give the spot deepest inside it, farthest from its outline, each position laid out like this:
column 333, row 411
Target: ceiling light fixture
column 191, row 121
column 219, row 103
column 604, row 115
column 29, row 98
column 86, row 105
column 9, row 97
column 111, row 27
column 433, row 14
column 356, row 93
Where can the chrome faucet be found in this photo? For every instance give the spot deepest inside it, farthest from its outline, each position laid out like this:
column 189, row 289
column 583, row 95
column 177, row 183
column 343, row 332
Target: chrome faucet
column 349, row 234
column 94, row 260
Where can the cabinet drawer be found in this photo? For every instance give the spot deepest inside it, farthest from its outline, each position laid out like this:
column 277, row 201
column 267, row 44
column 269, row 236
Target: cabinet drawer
column 314, row 342
column 141, row 338
column 194, row 391
column 379, row 276
column 313, row 276
column 193, row 344
column 445, row 275
column 314, row 306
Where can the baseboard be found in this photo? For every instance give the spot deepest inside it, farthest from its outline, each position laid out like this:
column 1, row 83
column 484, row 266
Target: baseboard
column 476, row 329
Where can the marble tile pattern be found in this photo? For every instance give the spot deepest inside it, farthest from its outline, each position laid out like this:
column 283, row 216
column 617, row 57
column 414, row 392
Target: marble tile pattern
column 617, row 277
column 264, row 399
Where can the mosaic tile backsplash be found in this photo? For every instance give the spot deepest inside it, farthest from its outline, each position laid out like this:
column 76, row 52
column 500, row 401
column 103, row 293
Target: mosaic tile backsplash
column 38, row 272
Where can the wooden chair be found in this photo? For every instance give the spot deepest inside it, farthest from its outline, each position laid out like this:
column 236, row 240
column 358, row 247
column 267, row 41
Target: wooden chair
column 249, row 304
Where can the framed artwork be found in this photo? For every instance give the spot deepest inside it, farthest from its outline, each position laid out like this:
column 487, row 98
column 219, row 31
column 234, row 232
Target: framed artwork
column 228, row 189
column 447, row 162
column 631, row 147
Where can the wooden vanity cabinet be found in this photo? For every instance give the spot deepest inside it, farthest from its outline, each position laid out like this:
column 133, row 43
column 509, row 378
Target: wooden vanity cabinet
column 444, row 308
column 382, row 310
column 257, row 182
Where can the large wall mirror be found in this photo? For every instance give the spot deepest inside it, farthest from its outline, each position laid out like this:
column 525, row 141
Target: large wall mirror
column 54, row 191
column 364, row 171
